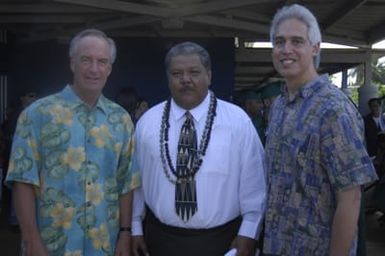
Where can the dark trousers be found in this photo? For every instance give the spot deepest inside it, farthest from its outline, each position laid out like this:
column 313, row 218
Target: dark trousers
column 162, row 240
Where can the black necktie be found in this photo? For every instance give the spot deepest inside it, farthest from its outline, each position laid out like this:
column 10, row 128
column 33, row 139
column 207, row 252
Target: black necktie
column 185, row 193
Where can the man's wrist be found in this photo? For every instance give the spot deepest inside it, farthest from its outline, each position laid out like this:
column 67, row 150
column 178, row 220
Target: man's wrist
column 125, row 229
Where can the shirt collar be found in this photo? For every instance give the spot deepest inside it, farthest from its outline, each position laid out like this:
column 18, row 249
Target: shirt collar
column 69, row 95
column 197, row 112
column 308, row 89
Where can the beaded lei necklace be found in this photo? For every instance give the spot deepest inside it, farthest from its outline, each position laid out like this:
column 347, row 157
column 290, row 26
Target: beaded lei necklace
column 165, row 152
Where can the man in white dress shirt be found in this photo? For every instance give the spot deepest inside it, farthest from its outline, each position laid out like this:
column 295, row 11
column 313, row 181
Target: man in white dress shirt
column 374, row 124
column 226, row 181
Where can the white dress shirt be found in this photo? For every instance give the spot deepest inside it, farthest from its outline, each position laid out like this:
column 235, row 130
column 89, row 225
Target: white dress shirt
column 230, row 182
column 379, row 122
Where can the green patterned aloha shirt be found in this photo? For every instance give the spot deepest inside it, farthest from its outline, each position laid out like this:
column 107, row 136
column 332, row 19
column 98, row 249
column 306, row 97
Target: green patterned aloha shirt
column 80, row 162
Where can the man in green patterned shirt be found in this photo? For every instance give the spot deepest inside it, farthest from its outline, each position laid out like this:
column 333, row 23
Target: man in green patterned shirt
column 71, row 165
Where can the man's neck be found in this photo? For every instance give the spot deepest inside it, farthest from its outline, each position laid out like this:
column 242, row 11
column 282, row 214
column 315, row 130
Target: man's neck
column 294, row 85
column 90, row 99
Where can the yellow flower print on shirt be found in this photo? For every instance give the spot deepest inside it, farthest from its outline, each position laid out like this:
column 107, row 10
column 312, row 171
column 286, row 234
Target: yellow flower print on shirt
column 61, row 115
column 74, row 253
column 74, row 157
column 135, row 181
column 62, row 217
column 23, row 117
column 94, row 193
column 125, row 119
column 118, row 148
column 35, row 152
column 102, row 135
column 100, row 237
column 11, row 165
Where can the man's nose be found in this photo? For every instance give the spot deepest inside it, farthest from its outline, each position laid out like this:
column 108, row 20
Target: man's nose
column 287, row 46
column 94, row 66
column 186, row 76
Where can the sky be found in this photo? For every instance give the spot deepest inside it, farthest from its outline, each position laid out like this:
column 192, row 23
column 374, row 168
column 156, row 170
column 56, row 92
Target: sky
column 379, row 45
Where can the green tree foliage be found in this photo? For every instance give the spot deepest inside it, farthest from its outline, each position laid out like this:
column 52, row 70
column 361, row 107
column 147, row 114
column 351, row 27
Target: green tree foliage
column 378, row 78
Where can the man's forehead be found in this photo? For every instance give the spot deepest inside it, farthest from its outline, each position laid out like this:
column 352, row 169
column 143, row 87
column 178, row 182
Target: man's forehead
column 290, row 25
column 289, row 37
column 186, row 56
column 191, row 59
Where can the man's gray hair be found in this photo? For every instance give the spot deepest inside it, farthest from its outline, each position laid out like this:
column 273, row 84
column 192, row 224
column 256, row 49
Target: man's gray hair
column 300, row 13
column 95, row 33
column 188, row 48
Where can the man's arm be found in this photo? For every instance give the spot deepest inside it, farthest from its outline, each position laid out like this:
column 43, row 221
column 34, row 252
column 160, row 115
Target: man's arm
column 25, row 205
column 252, row 192
column 123, row 246
column 138, row 245
column 345, row 221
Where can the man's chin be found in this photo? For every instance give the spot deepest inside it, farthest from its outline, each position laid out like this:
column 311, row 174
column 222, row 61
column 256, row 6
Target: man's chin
column 288, row 73
column 187, row 102
column 94, row 87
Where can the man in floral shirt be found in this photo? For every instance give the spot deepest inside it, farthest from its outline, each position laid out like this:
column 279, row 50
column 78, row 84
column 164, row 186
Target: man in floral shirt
column 71, row 165
column 315, row 156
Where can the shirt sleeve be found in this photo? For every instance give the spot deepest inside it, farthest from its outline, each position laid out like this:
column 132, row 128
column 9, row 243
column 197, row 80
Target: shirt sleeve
column 252, row 194
column 342, row 149
column 128, row 173
column 137, row 213
column 25, row 158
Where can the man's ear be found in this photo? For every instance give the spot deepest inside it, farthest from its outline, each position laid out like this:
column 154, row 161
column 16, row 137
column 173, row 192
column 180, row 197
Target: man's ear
column 209, row 76
column 316, row 49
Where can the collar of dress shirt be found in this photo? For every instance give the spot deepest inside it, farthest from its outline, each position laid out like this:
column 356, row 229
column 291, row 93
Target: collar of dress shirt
column 197, row 112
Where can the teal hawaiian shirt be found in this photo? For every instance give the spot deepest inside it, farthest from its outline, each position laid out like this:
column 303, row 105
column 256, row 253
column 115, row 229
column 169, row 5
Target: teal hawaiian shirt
column 80, row 163
column 314, row 149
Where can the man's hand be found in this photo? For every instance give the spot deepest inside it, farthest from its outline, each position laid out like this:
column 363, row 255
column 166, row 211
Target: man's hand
column 245, row 246
column 139, row 246
column 123, row 244
column 24, row 199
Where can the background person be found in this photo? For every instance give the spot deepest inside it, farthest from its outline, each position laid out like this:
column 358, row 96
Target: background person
column 374, row 124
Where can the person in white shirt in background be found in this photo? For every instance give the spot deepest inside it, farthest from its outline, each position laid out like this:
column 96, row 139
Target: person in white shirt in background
column 228, row 178
column 374, row 124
